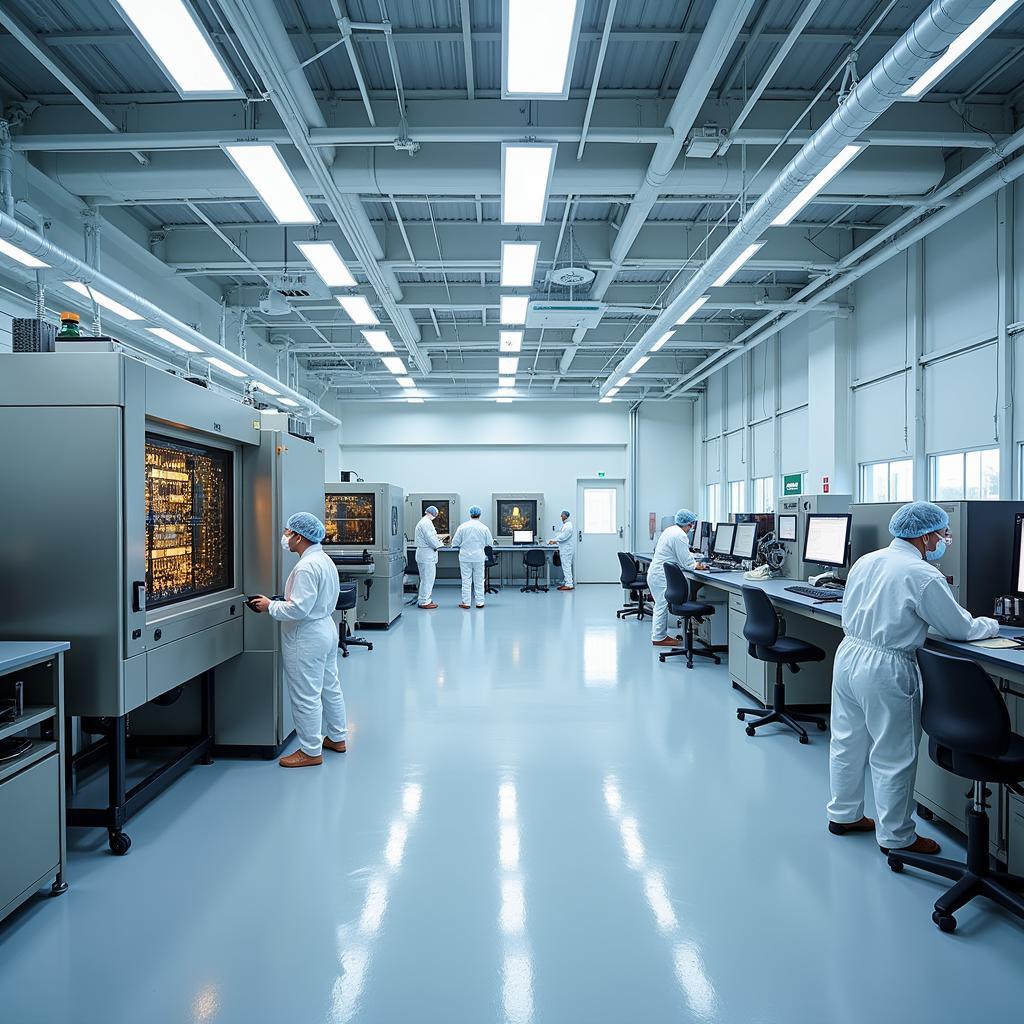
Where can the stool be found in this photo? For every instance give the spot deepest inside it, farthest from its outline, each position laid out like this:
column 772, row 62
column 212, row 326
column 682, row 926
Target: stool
column 346, row 602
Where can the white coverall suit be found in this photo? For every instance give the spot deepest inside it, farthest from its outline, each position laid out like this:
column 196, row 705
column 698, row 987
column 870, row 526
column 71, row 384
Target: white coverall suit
column 471, row 538
column 673, row 546
column 309, row 649
column 892, row 597
column 427, row 544
column 566, row 538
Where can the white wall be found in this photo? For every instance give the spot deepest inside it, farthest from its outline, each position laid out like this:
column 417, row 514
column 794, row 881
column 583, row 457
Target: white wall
column 664, row 465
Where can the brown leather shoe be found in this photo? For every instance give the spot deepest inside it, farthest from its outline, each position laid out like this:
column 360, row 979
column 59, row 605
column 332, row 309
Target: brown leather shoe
column 464, row 607
column 840, row 828
column 427, row 607
column 338, row 745
column 566, row 588
column 669, row 641
column 919, row 845
column 300, row 759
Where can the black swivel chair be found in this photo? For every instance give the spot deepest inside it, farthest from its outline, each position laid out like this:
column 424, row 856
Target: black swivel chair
column 535, row 561
column 678, row 596
column 635, row 583
column 491, row 560
column 764, row 643
column 346, row 602
column 412, row 569
column 969, row 734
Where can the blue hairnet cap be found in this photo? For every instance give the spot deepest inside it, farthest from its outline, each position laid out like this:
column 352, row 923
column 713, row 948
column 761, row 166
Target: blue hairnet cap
column 306, row 525
column 566, row 513
column 431, row 510
column 475, row 510
column 684, row 517
column 917, row 518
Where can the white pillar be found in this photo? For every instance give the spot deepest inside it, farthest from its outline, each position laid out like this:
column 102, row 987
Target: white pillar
column 829, row 448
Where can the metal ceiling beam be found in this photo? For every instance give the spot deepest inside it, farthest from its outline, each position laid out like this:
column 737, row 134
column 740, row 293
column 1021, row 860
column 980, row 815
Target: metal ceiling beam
column 467, row 49
column 597, row 76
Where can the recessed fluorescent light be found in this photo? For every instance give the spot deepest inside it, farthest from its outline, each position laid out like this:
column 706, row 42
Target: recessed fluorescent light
column 639, row 363
column 395, row 365
column 816, row 184
column 660, row 343
column 539, row 42
column 20, row 256
column 612, row 392
column 415, row 401
column 173, row 339
column 518, row 263
column 504, row 400
column 179, row 43
column 289, row 402
column 265, row 389
column 226, row 367
column 327, row 262
column 513, row 309
column 526, row 169
column 963, row 42
column 605, row 400
column 378, row 341
column 727, row 274
column 508, row 365
column 267, row 172
column 358, row 309
column 105, row 301
column 510, row 341
column 506, row 382
column 622, row 382
column 690, row 310
column 406, row 382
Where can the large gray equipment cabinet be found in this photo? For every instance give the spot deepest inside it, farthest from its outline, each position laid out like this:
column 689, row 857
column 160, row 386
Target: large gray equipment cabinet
column 448, row 512
column 516, row 510
column 802, row 505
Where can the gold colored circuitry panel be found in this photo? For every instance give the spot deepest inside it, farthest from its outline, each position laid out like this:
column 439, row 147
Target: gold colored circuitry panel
column 349, row 519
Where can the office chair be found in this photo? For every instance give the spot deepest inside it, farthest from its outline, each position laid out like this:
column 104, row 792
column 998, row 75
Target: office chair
column 764, row 643
column 635, row 583
column 534, row 560
column 346, row 602
column 969, row 734
column 677, row 594
column 411, row 569
column 491, row 560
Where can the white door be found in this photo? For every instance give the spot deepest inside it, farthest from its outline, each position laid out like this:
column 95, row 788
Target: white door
column 600, row 518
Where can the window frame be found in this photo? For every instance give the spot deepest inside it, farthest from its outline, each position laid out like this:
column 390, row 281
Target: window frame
column 865, row 470
column 741, row 486
column 933, row 462
column 767, row 483
column 713, row 509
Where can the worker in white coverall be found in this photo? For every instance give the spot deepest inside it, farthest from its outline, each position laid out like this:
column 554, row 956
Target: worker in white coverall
column 892, row 597
column 309, row 643
column 427, row 545
column 673, row 546
column 566, row 541
column 471, row 538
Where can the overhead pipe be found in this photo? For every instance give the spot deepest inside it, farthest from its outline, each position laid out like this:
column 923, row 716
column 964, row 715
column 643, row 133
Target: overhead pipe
column 939, row 26
column 73, row 269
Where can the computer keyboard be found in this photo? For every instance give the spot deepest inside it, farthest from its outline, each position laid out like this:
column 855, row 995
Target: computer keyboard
column 819, row 593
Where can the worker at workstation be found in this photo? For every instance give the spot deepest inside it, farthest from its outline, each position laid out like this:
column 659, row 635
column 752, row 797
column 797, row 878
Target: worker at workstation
column 892, row 598
column 309, row 643
column 427, row 545
column 673, row 546
column 566, row 541
column 471, row 538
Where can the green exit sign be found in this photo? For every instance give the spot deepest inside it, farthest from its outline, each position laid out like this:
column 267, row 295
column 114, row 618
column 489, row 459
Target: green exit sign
column 600, row 474
column 793, row 484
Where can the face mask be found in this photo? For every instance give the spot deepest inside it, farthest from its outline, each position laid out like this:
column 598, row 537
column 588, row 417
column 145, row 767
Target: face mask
column 284, row 543
column 940, row 550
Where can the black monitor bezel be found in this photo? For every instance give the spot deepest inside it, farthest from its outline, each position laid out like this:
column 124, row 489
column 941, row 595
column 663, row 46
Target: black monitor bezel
column 846, row 550
column 714, row 543
column 1018, row 532
column 753, row 546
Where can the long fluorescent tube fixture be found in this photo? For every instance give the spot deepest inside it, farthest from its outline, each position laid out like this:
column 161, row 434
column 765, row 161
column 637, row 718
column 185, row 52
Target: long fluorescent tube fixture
column 727, row 274
column 406, row 382
column 507, row 366
column 358, row 310
column 395, row 365
column 503, row 400
column 20, row 256
column 959, row 47
column 327, row 262
column 621, row 382
column 173, row 339
column 415, row 401
column 538, row 46
column 639, row 363
column 691, row 310
column 105, row 301
column 267, row 172
column 513, row 309
column 510, row 341
column 290, row 402
column 518, row 263
column 506, row 382
column 605, row 401
column 225, row 367
column 660, row 343
column 378, row 341
column 526, row 169
column 179, row 43
column 816, row 184
column 266, row 389
column 612, row 392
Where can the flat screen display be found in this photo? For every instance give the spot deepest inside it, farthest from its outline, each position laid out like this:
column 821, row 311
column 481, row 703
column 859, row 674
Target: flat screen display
column 827, row 539
column 516, row 514
column 743, row 543
column 442, row 521
column 350, row 519
column 787, row 527
column 724, row 533
column 522, row 537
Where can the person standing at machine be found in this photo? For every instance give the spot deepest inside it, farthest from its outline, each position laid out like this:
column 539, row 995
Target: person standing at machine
column 427, row 545
column 309, row 642
column 892, row 597
column 566, row 541
column 673, row 546
column 471, row 538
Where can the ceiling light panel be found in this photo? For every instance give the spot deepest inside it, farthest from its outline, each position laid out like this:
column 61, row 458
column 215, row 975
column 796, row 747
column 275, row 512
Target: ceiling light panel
column 660, row 343
column 227, row 368
column 327, row 262
column 264, row 167
column 642, row 361
column 518, row 264
column 507, row 366
column 22, row 257
column 406, row 382
column 526, row 169
column 378, row 341
column 358, row 309
column 690, row 310
column 173, row 339
column 513, row 309
column 105, row 301
column 816, row 184
column 289, row 402
column 727, row 275
column 510, row 341
column 395, row 365
column 539, row 39
column 506, row 382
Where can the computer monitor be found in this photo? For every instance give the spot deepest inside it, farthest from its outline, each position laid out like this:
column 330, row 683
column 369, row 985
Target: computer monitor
column 1017, row 583
column 724, row 533
column 522, row 536
column 787, row 528
column 745, row 541
column 827, row 540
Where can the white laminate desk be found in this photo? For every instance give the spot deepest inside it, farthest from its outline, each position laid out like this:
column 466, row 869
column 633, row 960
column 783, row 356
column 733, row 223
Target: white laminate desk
column 448, row 568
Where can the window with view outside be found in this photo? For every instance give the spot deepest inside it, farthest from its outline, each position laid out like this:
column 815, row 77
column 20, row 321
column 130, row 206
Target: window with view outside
column 599, row 510
column 887, row 481
column 714, row 503
column 737, row 495
column 972, row 475
column 764, row 494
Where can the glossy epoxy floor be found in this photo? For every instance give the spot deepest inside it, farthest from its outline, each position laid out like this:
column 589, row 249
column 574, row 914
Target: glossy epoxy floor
column 537, row 823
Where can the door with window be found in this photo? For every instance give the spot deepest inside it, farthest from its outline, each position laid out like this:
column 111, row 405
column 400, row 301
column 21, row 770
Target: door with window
column 600, row 519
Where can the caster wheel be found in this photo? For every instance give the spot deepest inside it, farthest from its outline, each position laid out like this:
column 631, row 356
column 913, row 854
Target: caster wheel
column 344, row 654
column 924, row 813
column 661, row 658
column 119, row 843
column 946, row 922
column 821, row 726
column 742, row 717
column 370, row 647
column 895, row 866
column 804, row 739
column 58, row 888
column 718, row 661
column 749, row 730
